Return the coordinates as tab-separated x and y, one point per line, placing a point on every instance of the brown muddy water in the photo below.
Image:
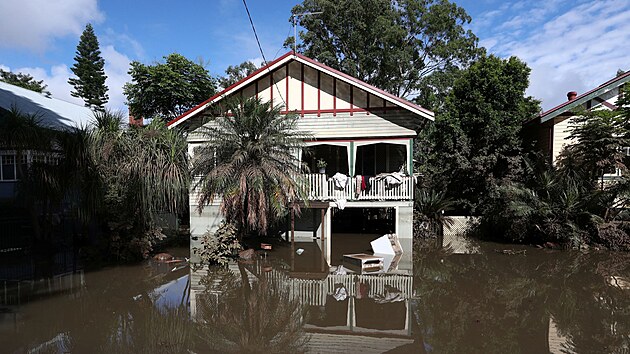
538	302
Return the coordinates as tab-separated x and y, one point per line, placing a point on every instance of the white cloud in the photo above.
570	48
124	41
258	61
56	77
116	68
33	24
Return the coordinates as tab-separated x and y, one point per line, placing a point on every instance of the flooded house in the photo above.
551	129
50	112
359	151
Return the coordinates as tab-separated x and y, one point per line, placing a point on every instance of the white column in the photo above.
409	158
328	236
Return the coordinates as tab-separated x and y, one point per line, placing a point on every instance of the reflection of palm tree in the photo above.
152	330
248	160
256	318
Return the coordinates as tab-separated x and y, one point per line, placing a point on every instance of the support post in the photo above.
323	228
292	225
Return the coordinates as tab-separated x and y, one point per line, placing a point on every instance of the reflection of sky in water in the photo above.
171	294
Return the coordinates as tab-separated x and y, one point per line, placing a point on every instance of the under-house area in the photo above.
354	228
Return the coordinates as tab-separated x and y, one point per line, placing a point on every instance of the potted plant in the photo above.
321	164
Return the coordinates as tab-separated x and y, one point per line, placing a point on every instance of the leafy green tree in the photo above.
167	90
393	45
475	143
89	69
25	81
247	159
600	136
234	74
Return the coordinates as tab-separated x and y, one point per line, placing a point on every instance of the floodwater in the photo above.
524	300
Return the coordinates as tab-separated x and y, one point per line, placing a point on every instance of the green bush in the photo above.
219	247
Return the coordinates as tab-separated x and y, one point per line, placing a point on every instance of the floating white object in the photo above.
387	244
299	251
390	261
363	263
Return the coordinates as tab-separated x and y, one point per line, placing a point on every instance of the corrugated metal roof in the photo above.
53	112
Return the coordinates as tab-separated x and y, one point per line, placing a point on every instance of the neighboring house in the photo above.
551	129
52	113
358	129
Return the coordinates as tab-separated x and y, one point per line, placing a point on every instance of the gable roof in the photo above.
53	112
290	56
583	98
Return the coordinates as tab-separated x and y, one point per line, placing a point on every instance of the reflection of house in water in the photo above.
16	292
24	277
346	312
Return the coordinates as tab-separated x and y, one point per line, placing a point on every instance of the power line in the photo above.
263	55
275	56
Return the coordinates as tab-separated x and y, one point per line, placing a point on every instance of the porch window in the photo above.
336	158
380	158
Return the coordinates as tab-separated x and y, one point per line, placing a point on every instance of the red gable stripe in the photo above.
363	83
266	67
314	63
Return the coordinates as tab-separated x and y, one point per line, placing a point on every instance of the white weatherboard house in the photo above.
51	112
551	129
362	132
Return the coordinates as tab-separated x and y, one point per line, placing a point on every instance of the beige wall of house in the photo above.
560	127
208	220
561	132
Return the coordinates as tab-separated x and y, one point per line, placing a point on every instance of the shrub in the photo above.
614	236
219	247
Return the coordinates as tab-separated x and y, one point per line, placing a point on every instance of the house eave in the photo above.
271	67
583	98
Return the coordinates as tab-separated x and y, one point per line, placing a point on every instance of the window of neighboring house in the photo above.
8	167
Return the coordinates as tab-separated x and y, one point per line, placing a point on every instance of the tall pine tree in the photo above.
89	83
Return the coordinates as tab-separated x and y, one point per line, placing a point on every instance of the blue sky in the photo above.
571	45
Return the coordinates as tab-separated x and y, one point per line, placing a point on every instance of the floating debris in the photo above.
511	252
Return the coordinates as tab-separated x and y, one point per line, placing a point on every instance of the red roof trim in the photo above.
383	139
266	67
564	104
363	83
315	63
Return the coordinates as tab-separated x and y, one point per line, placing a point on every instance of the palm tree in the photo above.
430	206
248	159
145	171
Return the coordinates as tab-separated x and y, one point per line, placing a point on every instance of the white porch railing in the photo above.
320	187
